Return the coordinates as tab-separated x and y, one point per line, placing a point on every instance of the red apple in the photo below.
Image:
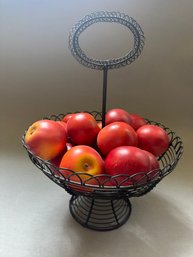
100	124
129	161
46	139
67	117
115	134
84	159
153	139
137	121
82	128
57	160
114	115
63	124
154	166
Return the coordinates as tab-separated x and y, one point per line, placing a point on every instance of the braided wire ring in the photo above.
104	16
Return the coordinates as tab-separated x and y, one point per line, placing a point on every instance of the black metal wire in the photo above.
100	214
113	17
105	65
104	99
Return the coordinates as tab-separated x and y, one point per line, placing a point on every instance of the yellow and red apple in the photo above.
84	160
46	139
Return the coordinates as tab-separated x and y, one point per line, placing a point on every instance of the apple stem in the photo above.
105	70
86	166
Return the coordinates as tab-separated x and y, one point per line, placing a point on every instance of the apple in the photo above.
115	134
46	139
153	139
82	128
100	124
63	124
67	117
114	115
81	158
137	121
154	166
127	161
56	160
69	146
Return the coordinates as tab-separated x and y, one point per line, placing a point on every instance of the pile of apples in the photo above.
126	145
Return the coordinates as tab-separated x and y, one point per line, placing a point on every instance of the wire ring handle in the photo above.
116	17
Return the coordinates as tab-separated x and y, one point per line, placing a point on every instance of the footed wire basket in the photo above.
102	202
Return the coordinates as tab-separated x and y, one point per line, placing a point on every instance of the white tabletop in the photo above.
35	219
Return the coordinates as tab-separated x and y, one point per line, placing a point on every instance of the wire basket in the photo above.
102	202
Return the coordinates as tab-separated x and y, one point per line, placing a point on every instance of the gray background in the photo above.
39	76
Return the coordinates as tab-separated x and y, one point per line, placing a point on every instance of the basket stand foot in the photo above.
99	213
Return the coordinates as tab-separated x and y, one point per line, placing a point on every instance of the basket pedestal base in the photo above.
100	214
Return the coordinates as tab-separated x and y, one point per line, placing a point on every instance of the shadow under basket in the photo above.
104	205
